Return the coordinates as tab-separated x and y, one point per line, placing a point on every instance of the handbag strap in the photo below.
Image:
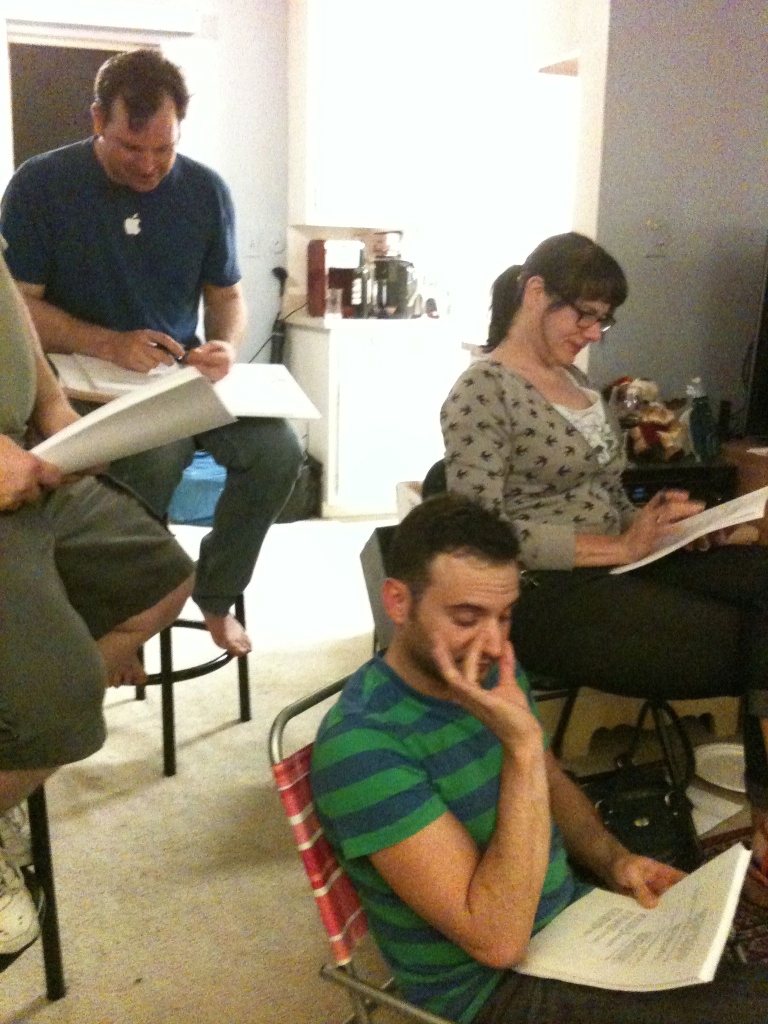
669	729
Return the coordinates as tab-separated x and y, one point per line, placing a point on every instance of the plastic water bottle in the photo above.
701	422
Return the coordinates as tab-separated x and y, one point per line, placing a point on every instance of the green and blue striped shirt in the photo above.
387	762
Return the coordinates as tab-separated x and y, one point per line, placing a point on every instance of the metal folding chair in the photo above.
337	902
45	896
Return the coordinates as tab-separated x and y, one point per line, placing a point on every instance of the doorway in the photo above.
51	95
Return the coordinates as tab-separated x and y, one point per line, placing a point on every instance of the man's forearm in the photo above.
506	886
484	901
587	840
61	332
224	315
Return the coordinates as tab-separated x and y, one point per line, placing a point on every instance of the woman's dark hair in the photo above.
572	266
443	525
142	78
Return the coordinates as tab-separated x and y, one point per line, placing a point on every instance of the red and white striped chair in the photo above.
340	909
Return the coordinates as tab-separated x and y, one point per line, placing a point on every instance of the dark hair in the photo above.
572	267
142	78
443	525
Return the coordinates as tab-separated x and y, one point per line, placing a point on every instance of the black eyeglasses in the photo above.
588	319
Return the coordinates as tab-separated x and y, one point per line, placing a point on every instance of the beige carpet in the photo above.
183	899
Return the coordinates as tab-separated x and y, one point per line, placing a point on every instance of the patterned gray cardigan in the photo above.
508	448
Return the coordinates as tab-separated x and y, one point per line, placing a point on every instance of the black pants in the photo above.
690	625
738	995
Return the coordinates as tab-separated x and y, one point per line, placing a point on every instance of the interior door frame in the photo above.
82	25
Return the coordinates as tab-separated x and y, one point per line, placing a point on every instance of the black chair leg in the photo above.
243	679
168	711
167	677
556	745
49	923
141	691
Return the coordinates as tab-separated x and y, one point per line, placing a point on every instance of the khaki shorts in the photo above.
72	567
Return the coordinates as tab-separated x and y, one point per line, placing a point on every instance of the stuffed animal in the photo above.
654	433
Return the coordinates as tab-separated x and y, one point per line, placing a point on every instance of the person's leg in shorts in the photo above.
53	670
86	576
50	701
123	571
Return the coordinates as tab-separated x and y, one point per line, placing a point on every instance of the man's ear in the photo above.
97	116
397	600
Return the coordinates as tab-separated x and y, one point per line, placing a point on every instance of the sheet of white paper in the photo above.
248	390
71	373
168	409
709	810
625	947
116	380
264	389
731	513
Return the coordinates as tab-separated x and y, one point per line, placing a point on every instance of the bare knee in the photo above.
149	622
167	609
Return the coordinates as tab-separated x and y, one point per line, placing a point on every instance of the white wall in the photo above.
562	30
555	30
233	53
685	172
238	124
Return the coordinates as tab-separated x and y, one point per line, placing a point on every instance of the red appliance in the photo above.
332	263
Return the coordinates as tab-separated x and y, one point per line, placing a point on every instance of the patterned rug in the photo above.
748	941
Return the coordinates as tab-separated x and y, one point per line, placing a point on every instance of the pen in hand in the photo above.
176	359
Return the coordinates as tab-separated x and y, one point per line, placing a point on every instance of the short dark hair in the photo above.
572	266
447	524
142	79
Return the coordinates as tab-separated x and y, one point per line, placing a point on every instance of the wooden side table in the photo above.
750	458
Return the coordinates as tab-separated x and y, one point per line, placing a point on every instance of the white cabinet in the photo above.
358	143
379	386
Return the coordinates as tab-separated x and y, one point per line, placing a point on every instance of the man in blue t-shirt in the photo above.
114	242
434	785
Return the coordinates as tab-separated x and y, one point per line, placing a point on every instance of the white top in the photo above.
592	424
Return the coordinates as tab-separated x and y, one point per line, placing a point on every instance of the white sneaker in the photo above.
18	918
15	842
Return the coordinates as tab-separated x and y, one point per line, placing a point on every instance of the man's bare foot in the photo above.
228	634
127	673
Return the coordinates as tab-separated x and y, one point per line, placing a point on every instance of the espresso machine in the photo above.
393	279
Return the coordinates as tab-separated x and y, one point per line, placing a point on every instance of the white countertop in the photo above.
336	323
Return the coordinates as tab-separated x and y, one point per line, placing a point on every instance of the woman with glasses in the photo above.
526	436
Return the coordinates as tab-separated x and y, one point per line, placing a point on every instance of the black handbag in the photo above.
642	808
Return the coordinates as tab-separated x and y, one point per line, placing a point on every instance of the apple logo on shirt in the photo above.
132	225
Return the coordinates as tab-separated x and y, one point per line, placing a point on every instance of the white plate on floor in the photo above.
722	764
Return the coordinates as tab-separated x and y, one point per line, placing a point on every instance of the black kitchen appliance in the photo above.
394	289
